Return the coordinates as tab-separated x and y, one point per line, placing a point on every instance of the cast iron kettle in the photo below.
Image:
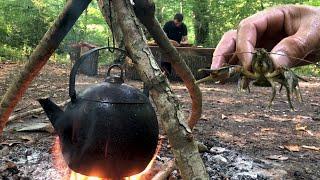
109	130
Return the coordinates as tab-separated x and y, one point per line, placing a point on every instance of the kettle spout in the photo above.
52	110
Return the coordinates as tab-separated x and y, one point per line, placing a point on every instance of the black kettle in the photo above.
110	130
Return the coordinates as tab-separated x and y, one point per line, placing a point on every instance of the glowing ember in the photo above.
77	176
71	175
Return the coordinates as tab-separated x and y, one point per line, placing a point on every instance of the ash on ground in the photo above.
222	163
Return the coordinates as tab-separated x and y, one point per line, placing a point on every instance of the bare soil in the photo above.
241	124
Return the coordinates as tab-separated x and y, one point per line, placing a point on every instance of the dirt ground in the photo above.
238	123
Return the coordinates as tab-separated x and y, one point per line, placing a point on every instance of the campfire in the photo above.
72	175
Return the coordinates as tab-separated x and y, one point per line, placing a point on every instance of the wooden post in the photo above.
180	136
48	44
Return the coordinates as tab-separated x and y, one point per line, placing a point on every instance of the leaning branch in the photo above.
145	11
48	44
182	143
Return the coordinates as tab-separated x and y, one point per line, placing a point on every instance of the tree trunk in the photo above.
183	145
104	8
201	21
145	11
40	56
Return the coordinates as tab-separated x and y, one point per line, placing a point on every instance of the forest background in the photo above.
23	23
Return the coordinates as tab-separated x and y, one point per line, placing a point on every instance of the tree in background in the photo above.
22	23
201	21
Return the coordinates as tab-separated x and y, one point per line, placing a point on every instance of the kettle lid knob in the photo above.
114	78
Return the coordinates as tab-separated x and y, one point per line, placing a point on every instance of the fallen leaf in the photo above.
301	128
266	129
304	117
315	104
224	117
47	127
204	118
310	132
27	138
311	148
278	157
292	148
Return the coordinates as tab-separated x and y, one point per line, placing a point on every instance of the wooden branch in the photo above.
33	112
179	134
145	11
40	56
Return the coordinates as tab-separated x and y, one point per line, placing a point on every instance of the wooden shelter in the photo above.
90	65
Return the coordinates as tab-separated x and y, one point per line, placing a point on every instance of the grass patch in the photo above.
8	53
309	70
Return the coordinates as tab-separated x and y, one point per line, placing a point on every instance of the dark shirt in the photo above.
175	33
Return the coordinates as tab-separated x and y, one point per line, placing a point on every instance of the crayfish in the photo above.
263	73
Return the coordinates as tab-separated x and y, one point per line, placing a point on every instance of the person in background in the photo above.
177	32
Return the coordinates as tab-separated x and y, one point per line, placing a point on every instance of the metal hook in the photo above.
111	49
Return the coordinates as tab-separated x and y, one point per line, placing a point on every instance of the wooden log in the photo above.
48	44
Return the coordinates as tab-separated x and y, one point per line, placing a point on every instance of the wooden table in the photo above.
193	51
195	58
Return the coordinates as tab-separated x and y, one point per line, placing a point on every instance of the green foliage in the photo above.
10	53
310	70
23	23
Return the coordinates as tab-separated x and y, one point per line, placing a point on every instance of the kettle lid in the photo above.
113	93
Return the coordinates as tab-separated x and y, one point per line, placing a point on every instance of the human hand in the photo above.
291	30
174	43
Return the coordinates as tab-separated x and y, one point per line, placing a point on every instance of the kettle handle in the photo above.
74	70
116	66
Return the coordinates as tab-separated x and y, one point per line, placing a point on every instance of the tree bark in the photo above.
145	11
104	9
40	56
183	145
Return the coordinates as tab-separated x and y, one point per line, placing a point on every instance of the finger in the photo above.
226	46
251	29
298	45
